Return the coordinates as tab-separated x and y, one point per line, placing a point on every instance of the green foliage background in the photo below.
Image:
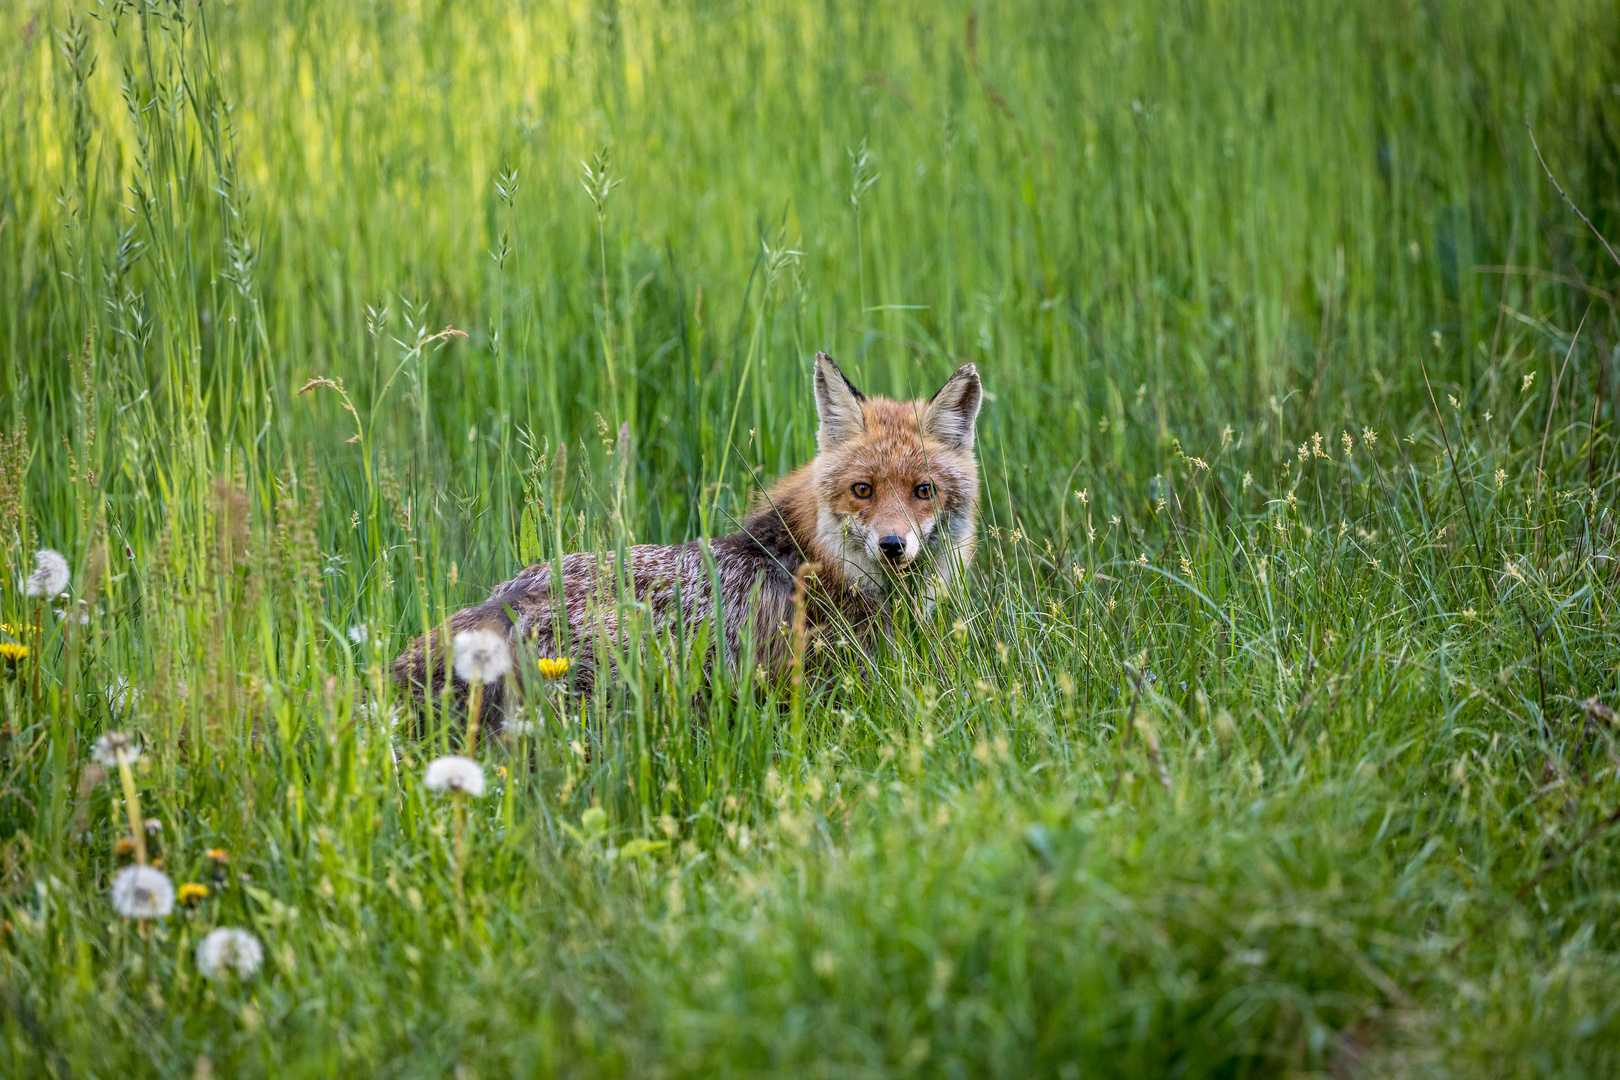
1259	743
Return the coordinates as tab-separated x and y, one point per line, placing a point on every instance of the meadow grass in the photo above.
1270	736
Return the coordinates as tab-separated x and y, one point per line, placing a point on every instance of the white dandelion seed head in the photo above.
358	633
120	695
455	773
50	576
229	949
142	892
115	748
482	656
516	729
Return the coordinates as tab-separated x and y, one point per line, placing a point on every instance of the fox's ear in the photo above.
953	411
838	404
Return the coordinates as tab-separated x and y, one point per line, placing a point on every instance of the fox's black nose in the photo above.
892	547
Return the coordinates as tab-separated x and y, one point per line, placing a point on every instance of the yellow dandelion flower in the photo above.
13	653
218	855
191	893
553	667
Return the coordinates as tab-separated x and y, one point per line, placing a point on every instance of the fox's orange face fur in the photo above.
895	481
892	495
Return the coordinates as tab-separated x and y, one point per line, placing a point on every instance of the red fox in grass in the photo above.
892	494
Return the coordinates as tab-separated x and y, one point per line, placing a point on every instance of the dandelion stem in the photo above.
39	645
474	701
459	829
132	804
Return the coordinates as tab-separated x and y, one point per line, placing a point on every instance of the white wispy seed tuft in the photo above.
482	656
455	773
228	949
115	748
142	892
50	576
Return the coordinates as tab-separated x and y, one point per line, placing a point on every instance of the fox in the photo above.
887	507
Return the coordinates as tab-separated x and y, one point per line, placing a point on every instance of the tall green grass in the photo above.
1259	742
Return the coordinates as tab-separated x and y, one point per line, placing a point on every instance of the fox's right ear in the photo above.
838	404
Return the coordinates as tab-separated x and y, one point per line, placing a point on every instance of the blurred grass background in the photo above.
1193	248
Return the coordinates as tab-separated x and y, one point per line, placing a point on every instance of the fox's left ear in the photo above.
953	411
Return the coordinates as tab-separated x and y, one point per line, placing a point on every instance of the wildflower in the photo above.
124	848
142	892
1186	567
116	748
1349	445
1316	446
516	729
1304	452
153	826
1248	479
229	948
1226	436
455	774
218	855
1197	463
1369	436
554	668
1084	495
50	576
13	653
482	656
1528	379
1501	478
191	893
358	633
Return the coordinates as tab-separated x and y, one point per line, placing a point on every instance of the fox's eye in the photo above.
862	490
923	490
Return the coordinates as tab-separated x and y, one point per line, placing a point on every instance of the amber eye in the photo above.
924	490
862	490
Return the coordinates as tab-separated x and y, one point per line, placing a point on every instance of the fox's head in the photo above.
895	481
